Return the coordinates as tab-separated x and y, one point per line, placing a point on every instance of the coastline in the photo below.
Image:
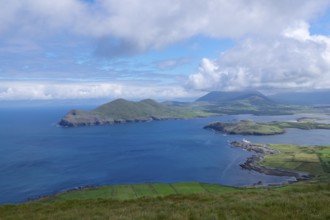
270	184
252	163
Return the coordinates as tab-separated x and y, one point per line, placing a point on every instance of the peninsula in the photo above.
122	111
256	162
248	127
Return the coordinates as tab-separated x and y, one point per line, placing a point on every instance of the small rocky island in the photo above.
248	127
122	111
253	162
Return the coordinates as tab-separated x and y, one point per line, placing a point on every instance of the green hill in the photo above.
121	111
245	102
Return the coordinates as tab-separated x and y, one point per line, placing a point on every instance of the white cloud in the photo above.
12	90
273	52
171	63
296	60
143	24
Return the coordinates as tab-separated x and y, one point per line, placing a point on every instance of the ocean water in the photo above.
39	158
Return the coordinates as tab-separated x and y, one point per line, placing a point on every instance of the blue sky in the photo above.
104	49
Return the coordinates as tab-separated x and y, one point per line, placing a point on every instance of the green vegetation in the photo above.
310	119
134	191
298	201
253	104
324	156
246	107
126	110
301	125
121	110
313	160
248	102
247	127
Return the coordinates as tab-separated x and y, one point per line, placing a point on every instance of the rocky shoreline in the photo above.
252	163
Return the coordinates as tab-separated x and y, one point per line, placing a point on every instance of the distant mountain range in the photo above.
252	97
289	98
213	103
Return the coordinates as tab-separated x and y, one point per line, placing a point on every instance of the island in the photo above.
122	111
249	127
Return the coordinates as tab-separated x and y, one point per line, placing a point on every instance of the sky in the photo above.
166	50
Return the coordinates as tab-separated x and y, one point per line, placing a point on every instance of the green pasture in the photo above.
314	160
305	200
135	191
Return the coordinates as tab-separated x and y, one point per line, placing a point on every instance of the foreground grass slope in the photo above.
299	201
135	191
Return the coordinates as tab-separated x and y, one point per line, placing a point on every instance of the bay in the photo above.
39	158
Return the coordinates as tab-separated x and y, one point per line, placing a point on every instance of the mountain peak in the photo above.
220	96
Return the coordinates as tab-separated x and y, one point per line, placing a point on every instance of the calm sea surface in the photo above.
38	158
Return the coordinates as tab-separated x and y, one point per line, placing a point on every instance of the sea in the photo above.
39	158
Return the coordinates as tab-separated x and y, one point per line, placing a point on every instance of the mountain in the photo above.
176	103
245	102
121	111
252	97
303	98
213	103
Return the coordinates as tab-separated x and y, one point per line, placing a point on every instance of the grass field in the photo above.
324	156
134	191
314	160
184	201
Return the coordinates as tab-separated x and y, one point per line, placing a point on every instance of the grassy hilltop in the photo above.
121	111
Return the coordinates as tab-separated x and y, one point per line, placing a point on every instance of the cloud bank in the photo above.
294	60
131	26
76	90
45	40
